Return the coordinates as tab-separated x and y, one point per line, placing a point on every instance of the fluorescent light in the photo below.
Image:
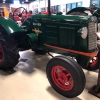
16	2
22	1
3	2
26	0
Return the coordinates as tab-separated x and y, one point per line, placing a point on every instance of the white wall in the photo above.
85	3
33	5
20	5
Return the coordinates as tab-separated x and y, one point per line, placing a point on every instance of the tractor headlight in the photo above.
83	32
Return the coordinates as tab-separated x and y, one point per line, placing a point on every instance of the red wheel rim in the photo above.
1	53
93	61
62	78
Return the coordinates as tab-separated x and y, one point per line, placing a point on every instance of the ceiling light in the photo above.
26	0
22	1
3	1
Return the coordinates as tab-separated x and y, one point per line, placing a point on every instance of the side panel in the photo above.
9	25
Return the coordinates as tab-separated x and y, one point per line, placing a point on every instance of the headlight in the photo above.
84	32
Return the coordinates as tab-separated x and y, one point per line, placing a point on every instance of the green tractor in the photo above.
71	36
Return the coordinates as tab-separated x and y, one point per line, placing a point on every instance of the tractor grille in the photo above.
67	36
92	38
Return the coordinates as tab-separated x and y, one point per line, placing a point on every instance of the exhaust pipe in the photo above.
49	12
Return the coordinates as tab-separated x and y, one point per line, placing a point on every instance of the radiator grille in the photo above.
67	36
92	38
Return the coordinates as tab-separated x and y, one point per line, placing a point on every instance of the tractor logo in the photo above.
37	31
36	24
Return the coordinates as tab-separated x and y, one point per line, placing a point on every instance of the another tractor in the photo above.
71	36
87	11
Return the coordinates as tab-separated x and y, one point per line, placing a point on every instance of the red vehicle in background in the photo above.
20	16
46	12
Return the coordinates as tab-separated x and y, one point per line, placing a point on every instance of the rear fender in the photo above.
9	25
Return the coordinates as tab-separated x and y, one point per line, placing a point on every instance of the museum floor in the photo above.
29	81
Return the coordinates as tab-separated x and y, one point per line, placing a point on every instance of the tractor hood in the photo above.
63	17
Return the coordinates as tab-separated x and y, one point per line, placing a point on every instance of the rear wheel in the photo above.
8	53
65	76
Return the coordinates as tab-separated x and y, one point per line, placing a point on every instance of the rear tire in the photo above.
65	76
8	54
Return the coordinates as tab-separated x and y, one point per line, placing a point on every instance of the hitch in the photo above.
95	90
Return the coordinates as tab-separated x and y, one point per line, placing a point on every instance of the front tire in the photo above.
65	76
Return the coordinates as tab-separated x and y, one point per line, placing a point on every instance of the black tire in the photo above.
75	71
92	66
96	66
9	54
39	52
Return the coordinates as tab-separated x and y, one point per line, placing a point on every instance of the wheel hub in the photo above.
62	78
93	61
67	83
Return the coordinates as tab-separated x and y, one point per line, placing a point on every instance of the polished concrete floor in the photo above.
29	81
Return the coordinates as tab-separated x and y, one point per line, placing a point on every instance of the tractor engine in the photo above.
69	32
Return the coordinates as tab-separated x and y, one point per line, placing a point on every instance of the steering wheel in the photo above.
93	5
21	15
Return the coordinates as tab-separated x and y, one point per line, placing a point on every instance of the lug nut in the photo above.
67	83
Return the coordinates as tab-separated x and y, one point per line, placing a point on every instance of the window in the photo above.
79	4
43	9
59	8
97	2
73	5
68	8
55	9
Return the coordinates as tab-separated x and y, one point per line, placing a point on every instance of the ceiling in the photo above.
12	1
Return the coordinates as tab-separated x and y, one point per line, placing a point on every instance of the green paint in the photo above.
32	37
62	17
9	25
56	30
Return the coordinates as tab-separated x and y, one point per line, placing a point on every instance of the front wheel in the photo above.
65	76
